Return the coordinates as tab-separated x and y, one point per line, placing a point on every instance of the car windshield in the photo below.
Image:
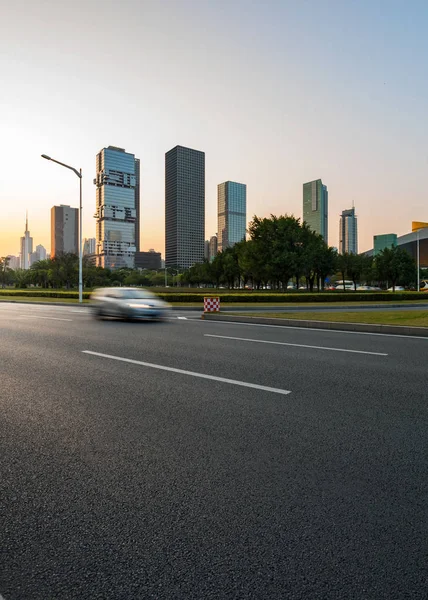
136	294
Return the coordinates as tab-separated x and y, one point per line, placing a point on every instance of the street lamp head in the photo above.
46	156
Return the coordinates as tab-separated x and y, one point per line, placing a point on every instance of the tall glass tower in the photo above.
315	207
184	207
348	232
117	206
231	213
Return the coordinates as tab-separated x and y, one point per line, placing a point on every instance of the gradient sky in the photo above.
276	93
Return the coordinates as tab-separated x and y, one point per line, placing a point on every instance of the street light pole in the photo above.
418	261
79	175
80	241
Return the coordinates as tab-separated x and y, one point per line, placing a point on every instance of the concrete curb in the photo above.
335	325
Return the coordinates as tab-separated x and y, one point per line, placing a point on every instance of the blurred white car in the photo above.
398	288
127	303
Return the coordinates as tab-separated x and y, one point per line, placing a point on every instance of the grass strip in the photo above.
411	318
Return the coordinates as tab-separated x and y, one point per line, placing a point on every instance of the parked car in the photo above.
398	288
127	303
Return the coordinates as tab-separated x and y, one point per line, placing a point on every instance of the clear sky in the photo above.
276	92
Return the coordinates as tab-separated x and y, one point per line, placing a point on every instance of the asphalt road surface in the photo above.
205	460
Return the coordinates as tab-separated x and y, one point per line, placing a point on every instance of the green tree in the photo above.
395	266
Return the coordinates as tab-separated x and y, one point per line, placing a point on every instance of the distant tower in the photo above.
348	232
184	207
231	213
64	230
315	207
26	247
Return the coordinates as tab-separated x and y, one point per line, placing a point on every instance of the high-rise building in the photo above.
89	246
315	207
13	262
64	230
348	232
386	240
41	252
116	208
213	247
184	207
148	260
137	204
26	247
231	213
206	250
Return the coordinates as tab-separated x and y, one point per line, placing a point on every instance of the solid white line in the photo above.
225	337
191	373
39	317
397	335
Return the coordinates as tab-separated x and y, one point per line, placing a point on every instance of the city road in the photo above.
194	459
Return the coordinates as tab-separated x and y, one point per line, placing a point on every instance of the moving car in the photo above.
127	303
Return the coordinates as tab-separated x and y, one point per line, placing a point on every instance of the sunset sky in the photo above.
275	92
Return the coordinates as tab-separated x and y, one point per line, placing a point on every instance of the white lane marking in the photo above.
226	337
191	373
182	318
39	317
398	335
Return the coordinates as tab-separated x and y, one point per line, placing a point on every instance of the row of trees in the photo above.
279	249
63	271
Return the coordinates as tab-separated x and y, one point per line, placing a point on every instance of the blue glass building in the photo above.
232	213
117	208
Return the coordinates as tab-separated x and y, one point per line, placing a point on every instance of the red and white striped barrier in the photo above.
211	305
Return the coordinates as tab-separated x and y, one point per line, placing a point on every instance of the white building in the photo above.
26	248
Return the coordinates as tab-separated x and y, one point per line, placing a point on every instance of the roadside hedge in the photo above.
277	298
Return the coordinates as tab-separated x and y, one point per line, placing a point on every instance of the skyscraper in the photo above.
315	207
231	213
206	250
116	208
213	247
41	252
137	204
348	232
26	247
64	230
89	246
184	207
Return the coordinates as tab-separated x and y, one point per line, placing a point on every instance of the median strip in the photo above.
255	386
226	337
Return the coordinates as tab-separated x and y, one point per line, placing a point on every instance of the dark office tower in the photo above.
184	207
137	204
